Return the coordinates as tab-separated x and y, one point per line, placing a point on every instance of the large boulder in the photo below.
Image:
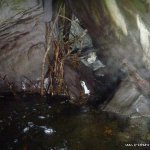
22	46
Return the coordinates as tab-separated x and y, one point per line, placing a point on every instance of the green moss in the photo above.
17	1
14	4
139	5
129	10
134	5
10	2
3	2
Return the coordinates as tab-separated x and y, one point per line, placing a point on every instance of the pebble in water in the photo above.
41	117
30	124
49	107
16	141
48	131
26	129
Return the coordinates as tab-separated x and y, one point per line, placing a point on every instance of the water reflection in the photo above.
57	125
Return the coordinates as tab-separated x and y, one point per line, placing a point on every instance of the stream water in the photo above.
35	123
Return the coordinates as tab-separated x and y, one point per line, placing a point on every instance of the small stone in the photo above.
30	124
41	117
26	129
16	141
49	107
49	131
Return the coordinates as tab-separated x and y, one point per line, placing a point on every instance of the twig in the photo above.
45	56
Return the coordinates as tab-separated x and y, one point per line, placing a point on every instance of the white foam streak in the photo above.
86	91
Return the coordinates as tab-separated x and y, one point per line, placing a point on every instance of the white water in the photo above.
86	91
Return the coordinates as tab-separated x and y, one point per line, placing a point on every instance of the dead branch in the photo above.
46	54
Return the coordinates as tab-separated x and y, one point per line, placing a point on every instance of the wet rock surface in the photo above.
119	30
128	101
22	43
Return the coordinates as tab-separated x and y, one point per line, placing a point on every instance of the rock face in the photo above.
120	31
22	36
128	101
118	28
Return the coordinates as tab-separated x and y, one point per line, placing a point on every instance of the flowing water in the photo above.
35	123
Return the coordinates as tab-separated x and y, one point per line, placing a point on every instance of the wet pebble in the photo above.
49	107
49	131
30	124
26	129
41	117
16	141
